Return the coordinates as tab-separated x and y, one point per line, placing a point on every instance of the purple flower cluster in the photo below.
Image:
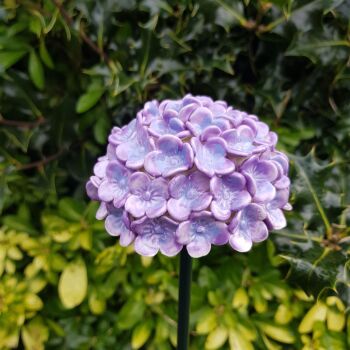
191	172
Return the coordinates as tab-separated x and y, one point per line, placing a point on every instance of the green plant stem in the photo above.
184	300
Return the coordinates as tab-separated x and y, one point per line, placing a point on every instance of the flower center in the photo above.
147	196
200	229
158	229
191	193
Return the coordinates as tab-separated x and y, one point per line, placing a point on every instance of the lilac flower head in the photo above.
191	173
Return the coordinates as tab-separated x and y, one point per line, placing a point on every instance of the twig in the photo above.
41	162
20	123
82	34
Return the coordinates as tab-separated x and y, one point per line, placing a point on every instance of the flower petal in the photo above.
156	208
138	182
240	242
135	206
198	247
145	245
179	209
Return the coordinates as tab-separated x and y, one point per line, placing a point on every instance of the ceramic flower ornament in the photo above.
191	173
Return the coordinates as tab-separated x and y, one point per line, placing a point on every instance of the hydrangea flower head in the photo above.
189	174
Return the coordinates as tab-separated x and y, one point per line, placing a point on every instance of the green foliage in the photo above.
69	70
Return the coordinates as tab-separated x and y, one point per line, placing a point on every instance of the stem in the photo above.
184	300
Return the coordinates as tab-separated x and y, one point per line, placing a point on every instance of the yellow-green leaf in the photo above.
207	322
96	304
36	71
277	332
240	299
238	341
88	100
283	314
216	339
33	302
72	285
140	334
335	319
317	313
34	335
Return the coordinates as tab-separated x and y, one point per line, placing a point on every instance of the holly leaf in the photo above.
315	243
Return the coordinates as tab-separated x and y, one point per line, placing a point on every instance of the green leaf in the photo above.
36	71
310	180
71	209
44	55
101	128
316	268
9	58
72	285
130	314
88	100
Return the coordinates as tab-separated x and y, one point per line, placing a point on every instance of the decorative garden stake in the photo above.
188	174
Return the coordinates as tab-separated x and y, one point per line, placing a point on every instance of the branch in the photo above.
41	162
82	34
21	124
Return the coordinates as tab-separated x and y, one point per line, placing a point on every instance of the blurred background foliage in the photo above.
69	70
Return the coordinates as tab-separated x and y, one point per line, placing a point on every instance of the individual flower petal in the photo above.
240	141
263	134
210	157
234	116
149	112
147	196
200	232
230	194
117	224
100	168
170	124
187	110
154	235
111	152
102	211
259	175
92	188
202	118
248	227
275	219
189	193
170	104
171	157
115	187
133	152
121	135
209	132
